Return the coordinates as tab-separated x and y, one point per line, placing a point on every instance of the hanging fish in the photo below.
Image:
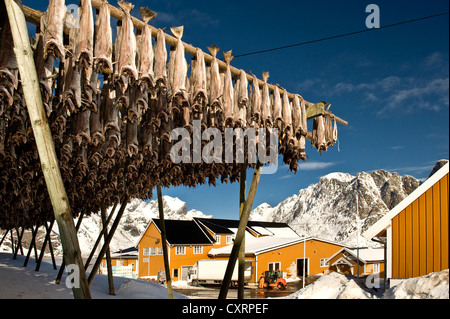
265	103
180	67
198	86
146	54
103	41
127	51
215	88
8	66
85	34
160	58
318	134
256	103
286	113
242	99
53	35
228	92
300	131
276	108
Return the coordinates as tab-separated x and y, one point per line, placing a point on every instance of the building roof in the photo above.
366	255
184	232
131	252
260	245
385	221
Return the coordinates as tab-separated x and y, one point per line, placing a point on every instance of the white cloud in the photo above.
311	166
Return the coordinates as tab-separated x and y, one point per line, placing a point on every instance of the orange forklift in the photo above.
270	279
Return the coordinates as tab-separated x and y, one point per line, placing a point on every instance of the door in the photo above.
300	263
185	272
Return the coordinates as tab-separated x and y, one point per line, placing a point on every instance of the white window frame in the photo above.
274	264
324	262
198	250
146	251
159	251
217	239
229	239
180	250
376	268
152	251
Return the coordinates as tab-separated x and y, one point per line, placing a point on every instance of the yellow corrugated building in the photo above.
416	230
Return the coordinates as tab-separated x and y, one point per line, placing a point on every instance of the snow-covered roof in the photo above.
385	221
366	255
259	245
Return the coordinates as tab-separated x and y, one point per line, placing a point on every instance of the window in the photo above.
274	266
175	273
323	262
146	251
376	268
180	250
217	239
153	251
229	239
159	251
198	250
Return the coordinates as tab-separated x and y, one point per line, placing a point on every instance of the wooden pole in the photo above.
63	264
45	146
108	239
241	232
32	245
99	238
108	253
44	244
164	242
242	198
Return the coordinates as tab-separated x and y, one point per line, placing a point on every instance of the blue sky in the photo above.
391	85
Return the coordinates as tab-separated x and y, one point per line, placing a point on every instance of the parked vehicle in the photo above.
270	279
211	272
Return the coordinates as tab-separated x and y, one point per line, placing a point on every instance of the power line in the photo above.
342	35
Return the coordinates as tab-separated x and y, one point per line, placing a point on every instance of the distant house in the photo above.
124	263
270	246
369	261
416	230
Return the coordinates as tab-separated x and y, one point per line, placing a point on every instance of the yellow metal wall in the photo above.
420	234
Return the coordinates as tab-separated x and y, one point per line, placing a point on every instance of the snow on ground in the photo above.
18	282
339	286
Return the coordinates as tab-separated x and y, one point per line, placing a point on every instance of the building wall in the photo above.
420	234
152	238
315	251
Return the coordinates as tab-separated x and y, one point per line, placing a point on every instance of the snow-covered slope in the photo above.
340	204
133	223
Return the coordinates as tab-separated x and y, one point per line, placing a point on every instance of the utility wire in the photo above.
341	35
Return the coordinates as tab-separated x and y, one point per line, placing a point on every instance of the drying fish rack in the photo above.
108	131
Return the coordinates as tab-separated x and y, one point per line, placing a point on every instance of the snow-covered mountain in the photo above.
133	223
340	204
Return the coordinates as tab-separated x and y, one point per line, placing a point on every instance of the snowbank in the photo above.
18	282
339	286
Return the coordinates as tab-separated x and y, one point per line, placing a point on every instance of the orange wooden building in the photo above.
270	246
416	230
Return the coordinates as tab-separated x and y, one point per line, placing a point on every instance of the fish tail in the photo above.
177	31
213	50
126	6
228	56
265	76
147	14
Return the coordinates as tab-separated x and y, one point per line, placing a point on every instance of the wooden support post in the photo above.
99	238
50	247
108	239
3	238
240	232
32	246
12	242
19	242
242	198
63	264
164	243
108	253
44	244
45	146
